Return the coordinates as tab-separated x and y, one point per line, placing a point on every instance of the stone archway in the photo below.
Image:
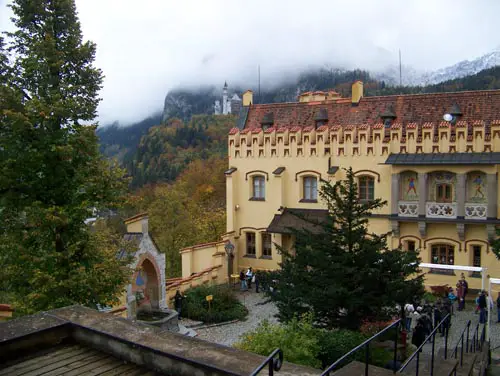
146	284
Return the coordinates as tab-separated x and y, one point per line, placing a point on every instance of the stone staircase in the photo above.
473	363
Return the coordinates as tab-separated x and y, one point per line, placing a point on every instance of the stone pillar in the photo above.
395	180
461	193
492	190
422	194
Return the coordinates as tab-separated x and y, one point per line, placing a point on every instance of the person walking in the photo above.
178	298
256	281
482	307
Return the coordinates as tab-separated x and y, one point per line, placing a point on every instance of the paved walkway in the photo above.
229	334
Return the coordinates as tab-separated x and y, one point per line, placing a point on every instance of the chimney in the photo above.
247	98
357	92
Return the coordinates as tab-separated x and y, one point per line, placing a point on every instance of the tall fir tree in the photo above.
340	271
51	172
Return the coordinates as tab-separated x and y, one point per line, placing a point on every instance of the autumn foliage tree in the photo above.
51	174
191	210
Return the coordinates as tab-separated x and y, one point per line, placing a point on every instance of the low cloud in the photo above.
146	48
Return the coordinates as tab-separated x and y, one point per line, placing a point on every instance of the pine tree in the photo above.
51	173
344	274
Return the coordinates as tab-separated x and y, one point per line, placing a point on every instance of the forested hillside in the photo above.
121	142
167	149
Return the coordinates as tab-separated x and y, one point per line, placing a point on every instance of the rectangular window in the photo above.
476	259
443	193
443	254
259	190
366	188
410	245
250	243
266	244
310	188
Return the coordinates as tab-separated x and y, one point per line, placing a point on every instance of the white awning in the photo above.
452	267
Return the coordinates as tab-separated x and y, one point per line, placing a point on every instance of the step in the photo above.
356	368
468	363
441	367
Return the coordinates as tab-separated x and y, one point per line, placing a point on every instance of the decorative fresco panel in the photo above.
476	187
409	186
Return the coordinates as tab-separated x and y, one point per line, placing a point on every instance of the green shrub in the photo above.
224	306
335	343
297	339
304	344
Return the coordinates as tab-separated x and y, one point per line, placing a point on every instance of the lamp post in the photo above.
229	248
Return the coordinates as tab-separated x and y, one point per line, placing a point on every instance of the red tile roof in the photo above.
417	108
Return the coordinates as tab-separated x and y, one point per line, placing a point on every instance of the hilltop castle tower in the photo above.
229	106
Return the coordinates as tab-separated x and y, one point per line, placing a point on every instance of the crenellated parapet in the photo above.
366	139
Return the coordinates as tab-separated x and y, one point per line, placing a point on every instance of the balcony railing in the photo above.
475	211
408	208
441	209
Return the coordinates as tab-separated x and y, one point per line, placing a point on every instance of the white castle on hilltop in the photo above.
229	106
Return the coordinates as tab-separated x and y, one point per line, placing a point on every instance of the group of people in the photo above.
246	280
422	320
462	289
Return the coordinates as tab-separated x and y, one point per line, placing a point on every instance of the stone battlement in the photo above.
369	140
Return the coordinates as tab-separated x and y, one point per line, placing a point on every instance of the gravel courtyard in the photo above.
229	334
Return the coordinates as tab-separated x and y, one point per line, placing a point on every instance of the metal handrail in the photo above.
475	339
461	341
272	361
433	335
367	344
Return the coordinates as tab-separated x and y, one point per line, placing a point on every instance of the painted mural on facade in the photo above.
409	186
476	187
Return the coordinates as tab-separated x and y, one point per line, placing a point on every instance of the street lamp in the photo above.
229	248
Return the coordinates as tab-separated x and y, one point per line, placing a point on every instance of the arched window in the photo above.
259	187
443	254
310	188
366	188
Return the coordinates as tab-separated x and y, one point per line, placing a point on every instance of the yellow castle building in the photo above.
433	157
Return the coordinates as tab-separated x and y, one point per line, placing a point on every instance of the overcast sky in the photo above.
147	47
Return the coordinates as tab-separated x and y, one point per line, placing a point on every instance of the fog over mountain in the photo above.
147	48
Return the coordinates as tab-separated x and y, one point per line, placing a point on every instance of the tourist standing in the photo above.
409	309
249	276
256	281
178	298
418	336
465	284
243	280
461	295
482	307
